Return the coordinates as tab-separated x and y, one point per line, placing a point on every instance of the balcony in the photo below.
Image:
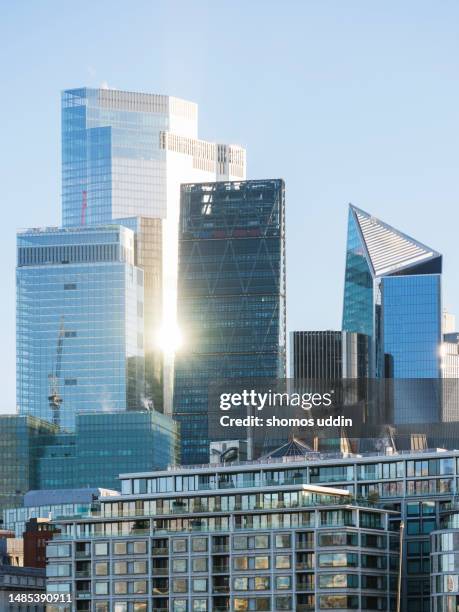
220	548
160	571
221	569
304	586
82	554
159	551
83	574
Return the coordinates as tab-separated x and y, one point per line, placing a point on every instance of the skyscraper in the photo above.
328	355
79	322
231	295
125	154
392	294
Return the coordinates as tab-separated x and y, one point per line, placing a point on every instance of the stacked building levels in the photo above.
218	503
187	540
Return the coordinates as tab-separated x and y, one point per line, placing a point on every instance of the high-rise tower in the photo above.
231	296
124	156
392	294
79	322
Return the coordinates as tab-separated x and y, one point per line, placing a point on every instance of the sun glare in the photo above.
170	338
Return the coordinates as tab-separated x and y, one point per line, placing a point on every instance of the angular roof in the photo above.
388	250
292	448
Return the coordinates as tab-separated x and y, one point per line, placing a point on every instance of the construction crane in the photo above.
54	397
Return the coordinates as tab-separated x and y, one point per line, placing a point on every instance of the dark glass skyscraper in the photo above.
392	293
231	305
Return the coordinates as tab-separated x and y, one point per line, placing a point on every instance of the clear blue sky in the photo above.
346	100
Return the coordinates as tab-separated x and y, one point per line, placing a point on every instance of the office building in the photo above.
392	294
124	155
20	438
328	355
416	487
231	307
300	547
101	446
79	322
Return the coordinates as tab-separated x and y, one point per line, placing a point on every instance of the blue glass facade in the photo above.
358	310
392	293
231	304
411	312
79	323
20	439
111	155
36	455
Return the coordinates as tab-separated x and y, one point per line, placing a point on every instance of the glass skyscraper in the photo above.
392	293
124	155
79	322
231	306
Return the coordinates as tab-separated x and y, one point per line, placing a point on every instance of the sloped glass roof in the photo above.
388	249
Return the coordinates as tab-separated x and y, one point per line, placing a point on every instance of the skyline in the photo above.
369	131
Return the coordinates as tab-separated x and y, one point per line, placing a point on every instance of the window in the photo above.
240	563
262	541
101	548
261	562
120	548
58	570
199	544
261	583
283	603
199	564
101	568
199	585
138	567
283	561
180	565
120	567
241	584
101	588
283	582
58	550
199	605
179	545
283	540
179	605
139	586
120	587
138	548
180	585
